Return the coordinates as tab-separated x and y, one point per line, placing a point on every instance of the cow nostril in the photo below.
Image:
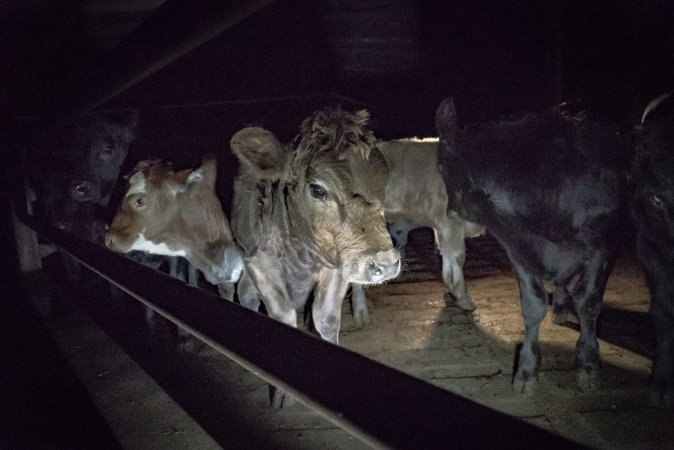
375	269
81	189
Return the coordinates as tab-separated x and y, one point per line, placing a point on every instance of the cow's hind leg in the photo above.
662	378
533	299
662	314
587	297
452	246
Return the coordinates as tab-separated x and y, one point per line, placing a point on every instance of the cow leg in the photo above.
192	275
561	303
660	280
327	306
359	305
399	231
151	319
587	297
184	271
73	268
279	307
452	246
247	293
227	291
662	313
175	268
533	300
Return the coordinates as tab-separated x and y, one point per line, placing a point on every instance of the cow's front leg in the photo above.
452	246
359	305
327	307
587	297
270	286
247	292
533	300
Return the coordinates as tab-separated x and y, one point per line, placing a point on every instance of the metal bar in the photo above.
176	28
378	404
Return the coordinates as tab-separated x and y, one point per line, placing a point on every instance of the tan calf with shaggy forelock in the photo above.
310	217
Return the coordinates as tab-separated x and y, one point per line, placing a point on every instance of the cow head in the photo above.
652	179
331	183
103	144
177	214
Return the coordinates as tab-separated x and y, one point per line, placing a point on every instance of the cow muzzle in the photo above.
84	191
383	266
228	268
112	242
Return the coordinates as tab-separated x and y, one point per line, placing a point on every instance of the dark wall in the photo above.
398	59
401	57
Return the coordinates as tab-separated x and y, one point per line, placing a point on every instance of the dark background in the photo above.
396	58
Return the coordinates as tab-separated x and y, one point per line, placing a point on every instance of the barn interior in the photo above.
198	71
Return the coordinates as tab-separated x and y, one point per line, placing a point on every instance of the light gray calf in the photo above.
416	197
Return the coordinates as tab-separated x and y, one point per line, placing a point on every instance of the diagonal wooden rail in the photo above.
380	405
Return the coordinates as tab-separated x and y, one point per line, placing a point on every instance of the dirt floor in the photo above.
413	330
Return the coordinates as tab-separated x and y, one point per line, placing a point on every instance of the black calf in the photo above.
546	188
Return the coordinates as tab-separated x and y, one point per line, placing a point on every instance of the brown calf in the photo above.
310	217
177	214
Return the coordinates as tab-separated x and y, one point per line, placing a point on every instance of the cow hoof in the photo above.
227	290
524	383
465	303
361	319
279	399
189	344
588	379
526	387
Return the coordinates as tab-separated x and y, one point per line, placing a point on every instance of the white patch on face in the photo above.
143	245
136	184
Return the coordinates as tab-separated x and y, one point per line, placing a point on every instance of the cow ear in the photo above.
259	151
206	174
446	124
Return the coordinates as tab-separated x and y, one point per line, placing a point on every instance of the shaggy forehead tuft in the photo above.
334	129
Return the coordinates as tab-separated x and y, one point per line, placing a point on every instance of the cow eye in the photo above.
140	202
317	191
108	149
657	201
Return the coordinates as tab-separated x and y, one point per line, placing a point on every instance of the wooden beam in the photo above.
380	405
176	28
